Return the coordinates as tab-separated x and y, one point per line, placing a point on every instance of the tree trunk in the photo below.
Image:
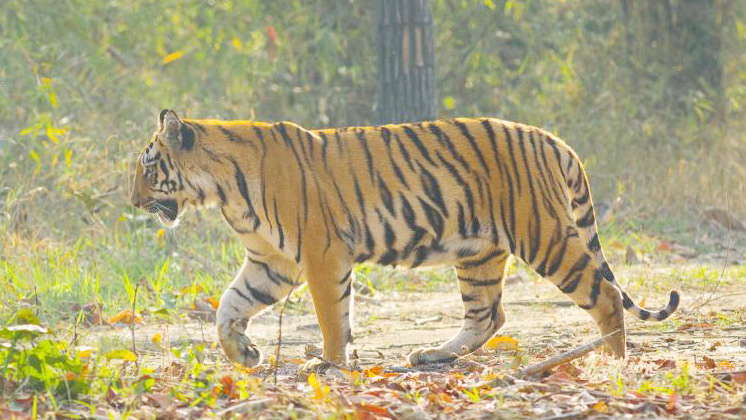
406	62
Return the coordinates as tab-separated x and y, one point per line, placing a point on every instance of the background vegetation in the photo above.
81	84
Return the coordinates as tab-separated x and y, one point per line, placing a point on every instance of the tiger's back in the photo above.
447	191
308	204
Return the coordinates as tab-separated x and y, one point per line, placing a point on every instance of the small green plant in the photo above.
30	355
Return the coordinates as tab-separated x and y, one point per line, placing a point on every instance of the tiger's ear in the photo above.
174	131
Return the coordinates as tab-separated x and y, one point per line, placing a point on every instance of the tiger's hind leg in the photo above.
578	273
257	286
481	284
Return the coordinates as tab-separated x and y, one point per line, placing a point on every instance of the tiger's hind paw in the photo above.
423	356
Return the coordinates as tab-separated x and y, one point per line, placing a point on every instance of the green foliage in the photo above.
28	354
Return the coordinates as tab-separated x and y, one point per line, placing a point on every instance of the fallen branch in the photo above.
426	320
245	406
563	357
539	302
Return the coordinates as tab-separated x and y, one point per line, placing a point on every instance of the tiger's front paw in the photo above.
423	356
241	350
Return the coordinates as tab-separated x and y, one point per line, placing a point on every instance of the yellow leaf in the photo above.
352	375
125	317
601	407
35	157
449	102
84	351
172	57
122	218
121	354
195	288
374	371
213	302
502	343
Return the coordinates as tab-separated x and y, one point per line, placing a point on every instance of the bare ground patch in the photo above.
690	366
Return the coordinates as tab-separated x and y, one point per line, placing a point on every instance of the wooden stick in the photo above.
563	357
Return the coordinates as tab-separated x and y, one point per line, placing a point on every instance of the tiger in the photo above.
307	205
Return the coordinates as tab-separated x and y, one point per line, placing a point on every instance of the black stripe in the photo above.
410	218
480	282
594	245
444	139
304	187
420	256
347	292
461	222
434	218
460	180
606	270
300	240
432	189
229	134
260	296
595	290
242	188
480	261
187	137
558	258
273	276
346	276
578	267
389	235
511	152
324	147
368	157
279	225
221	194
626	301
386	197
587	220
465	131
164	168
404	152
240	293
416	140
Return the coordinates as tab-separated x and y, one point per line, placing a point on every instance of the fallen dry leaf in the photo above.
125	317
502	343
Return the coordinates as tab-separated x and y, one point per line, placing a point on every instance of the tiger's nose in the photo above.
135	199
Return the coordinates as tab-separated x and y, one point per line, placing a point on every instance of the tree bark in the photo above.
406	62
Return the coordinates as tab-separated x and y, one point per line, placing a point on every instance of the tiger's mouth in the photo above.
167	210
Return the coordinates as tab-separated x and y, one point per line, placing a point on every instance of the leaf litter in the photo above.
689	367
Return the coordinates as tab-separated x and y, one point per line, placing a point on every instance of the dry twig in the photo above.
279	329
563	357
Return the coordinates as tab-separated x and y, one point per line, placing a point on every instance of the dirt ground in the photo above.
389	324
703	337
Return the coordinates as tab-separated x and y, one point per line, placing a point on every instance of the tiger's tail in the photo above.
584	215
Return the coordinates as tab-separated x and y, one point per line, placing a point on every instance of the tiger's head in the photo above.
159	180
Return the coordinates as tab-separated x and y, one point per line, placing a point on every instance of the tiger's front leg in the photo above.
257	286
331	287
